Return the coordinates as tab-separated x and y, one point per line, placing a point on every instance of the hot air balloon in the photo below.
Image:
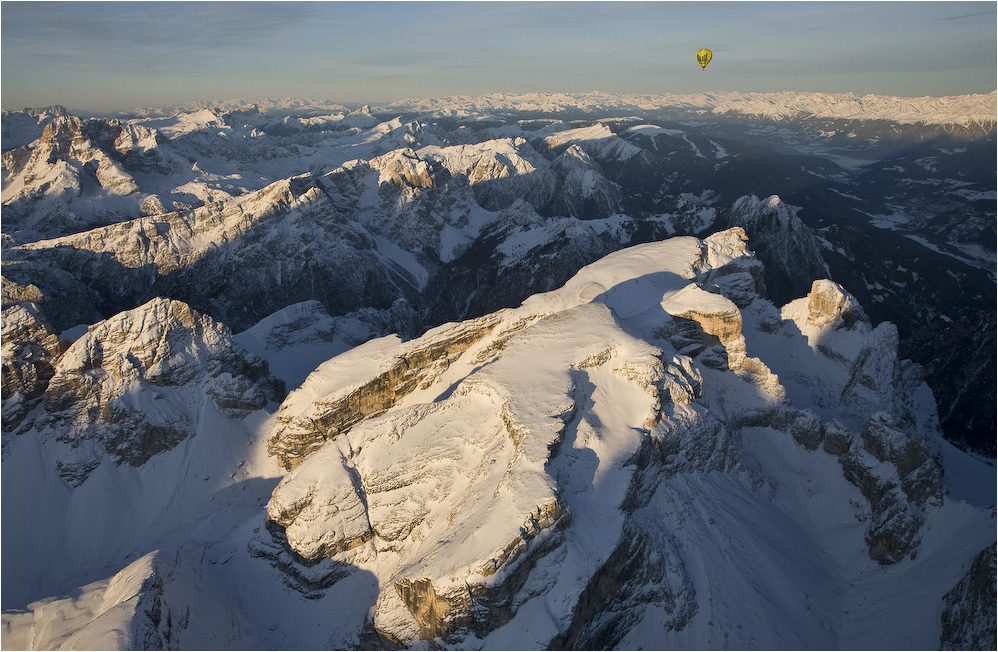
703	58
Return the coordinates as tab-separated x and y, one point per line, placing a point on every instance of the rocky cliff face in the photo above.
969	616
137	385
302	428
30	349
867	392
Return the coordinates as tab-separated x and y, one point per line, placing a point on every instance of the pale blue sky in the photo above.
102	56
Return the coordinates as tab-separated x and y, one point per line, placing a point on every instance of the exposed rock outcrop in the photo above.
968	616
30	349
828	304
643	572
295	436
403	167
889	460
709	318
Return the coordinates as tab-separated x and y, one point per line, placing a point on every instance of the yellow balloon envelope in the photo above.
703	58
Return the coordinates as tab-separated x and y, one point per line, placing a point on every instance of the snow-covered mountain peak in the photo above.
181	123
766	205
61	132
162	341
598	131
22	127
777	234
575	154
772	216
488	160
136	385
460	468
361	117
403	167
597	140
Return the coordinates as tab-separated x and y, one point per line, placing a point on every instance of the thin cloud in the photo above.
113	33
989	14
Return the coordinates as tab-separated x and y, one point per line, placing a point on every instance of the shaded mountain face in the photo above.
112	384
565	372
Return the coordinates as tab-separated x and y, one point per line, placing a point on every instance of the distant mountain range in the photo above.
962	110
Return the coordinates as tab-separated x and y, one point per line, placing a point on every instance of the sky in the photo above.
106	56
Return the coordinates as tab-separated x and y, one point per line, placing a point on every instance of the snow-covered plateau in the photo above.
542	371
